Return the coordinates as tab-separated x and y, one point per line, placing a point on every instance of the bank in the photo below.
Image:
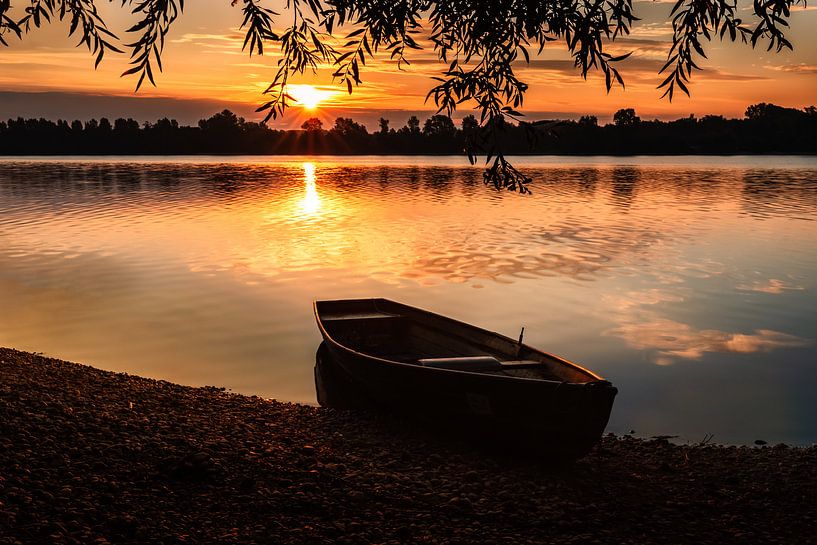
90	456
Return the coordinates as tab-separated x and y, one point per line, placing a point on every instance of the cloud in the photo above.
643	46
633	69
802	68
717	75
193	38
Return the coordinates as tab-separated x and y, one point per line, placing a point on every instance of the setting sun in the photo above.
308	96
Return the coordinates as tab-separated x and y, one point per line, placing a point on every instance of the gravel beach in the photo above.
89	456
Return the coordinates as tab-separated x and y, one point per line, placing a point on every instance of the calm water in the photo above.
691	283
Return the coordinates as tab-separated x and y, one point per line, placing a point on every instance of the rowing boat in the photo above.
418	363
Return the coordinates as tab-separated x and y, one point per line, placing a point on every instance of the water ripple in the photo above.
202	271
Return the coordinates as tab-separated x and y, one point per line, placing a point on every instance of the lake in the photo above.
689	282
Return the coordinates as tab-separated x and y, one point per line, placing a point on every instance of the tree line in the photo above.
766	128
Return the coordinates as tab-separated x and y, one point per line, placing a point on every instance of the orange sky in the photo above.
205	70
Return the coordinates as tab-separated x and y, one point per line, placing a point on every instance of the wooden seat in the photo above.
359	316
467	363
518	364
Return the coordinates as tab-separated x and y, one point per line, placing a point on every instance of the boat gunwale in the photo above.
598	378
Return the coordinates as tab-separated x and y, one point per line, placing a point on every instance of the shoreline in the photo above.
91	456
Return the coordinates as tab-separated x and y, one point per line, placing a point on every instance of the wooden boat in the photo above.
492	387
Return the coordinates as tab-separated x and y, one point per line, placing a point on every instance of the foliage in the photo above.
693	20
439	125
224	121
348	127
82	15
589	121
776	130
312	124
479	43
764	111
626	117
413	125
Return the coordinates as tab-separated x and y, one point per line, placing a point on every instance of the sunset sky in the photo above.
206	71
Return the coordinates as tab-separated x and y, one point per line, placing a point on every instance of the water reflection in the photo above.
771	285
311	202
669	341
624	182
769	193
203	273
642	324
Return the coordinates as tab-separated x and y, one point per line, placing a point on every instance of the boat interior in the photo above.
396	332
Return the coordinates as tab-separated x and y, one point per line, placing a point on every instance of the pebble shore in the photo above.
94	457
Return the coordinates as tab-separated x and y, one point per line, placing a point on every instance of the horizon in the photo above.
369	120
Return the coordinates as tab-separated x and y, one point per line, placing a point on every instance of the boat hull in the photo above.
542	418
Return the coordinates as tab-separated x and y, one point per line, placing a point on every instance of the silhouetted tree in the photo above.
626	117
439	125
384	125
225	121
589	121
125	125
413	124
347	127
772	111
312	124
756	111
166	125
469	124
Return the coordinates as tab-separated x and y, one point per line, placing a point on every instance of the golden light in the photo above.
307	96
311	202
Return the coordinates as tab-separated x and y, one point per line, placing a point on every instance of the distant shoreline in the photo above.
766	129
94	456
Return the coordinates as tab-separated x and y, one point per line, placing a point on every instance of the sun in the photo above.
308	96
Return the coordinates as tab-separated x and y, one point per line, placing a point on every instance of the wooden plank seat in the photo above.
468	363
520	364
360	316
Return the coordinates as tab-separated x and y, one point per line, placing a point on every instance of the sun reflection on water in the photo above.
310	204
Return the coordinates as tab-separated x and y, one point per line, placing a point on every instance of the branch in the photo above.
303	46
94	33
157	17
693	19
7	24
258	21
